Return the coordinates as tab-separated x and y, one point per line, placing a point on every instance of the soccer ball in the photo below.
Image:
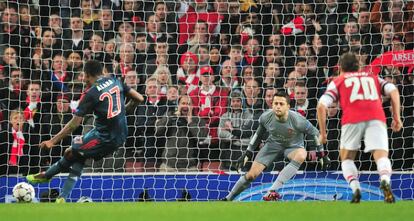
23	192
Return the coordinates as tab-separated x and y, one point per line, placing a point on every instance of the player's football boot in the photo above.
60	200
224	199
37	178
386	189
356	197
272	196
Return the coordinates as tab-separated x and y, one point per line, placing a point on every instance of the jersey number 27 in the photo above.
111	112
369	90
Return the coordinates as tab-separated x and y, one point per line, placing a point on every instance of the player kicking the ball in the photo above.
359	95
286	138
105	99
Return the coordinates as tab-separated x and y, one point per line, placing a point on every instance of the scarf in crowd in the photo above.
17	147
30	111
206	101
302	108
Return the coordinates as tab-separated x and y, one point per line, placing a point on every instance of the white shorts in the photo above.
374	133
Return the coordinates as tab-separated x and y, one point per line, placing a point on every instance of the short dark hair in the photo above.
281	93
93	68
349	62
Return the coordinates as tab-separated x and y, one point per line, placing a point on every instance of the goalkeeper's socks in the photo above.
384	169
285	175
57	167
240	185
350	173
73	177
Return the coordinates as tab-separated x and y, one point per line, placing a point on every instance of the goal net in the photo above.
208	69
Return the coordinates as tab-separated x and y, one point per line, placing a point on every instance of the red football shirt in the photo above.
359	95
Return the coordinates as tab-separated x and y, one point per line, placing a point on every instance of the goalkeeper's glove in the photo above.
243	159
323	160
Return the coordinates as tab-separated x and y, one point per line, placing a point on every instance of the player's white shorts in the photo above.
374	133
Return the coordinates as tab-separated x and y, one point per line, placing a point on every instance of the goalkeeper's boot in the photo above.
386	189
356	197
37	178
272	196
60	200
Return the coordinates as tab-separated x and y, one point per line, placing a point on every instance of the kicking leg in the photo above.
64	163
244	181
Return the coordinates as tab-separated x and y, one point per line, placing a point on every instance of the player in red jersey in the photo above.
359	95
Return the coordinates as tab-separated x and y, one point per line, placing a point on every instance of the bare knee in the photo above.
299	155
68	154
378	154
252	175
347	154
255	171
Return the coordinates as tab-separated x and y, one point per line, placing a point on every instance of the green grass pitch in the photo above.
212	211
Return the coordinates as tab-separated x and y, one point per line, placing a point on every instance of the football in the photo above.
23	192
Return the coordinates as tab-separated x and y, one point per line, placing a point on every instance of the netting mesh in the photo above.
208	70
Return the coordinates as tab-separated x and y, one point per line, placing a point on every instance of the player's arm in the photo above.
253	144
136	98
327	99
68	129
135	95
391	90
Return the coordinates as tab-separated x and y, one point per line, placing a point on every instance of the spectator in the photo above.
172	99
209	103
55	23
14	149
252	53
153	107
183	132
76	38
228	76
387	34
35	110
88	16
13	35
253	103
291	81
303	104
126	61
272	76
163	76
49	44
12	92
106	25
95	50
9	60
268	96
187	73
231	131
57	79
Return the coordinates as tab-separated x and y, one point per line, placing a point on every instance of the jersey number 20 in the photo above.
369	90
111	112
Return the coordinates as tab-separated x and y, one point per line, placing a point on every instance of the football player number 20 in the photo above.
113	91
369	90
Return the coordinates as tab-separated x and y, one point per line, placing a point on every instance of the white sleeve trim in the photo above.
386	87
326	100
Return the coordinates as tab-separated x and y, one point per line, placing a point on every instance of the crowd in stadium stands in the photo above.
208	69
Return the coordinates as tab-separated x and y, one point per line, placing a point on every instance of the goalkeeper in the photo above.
286	136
